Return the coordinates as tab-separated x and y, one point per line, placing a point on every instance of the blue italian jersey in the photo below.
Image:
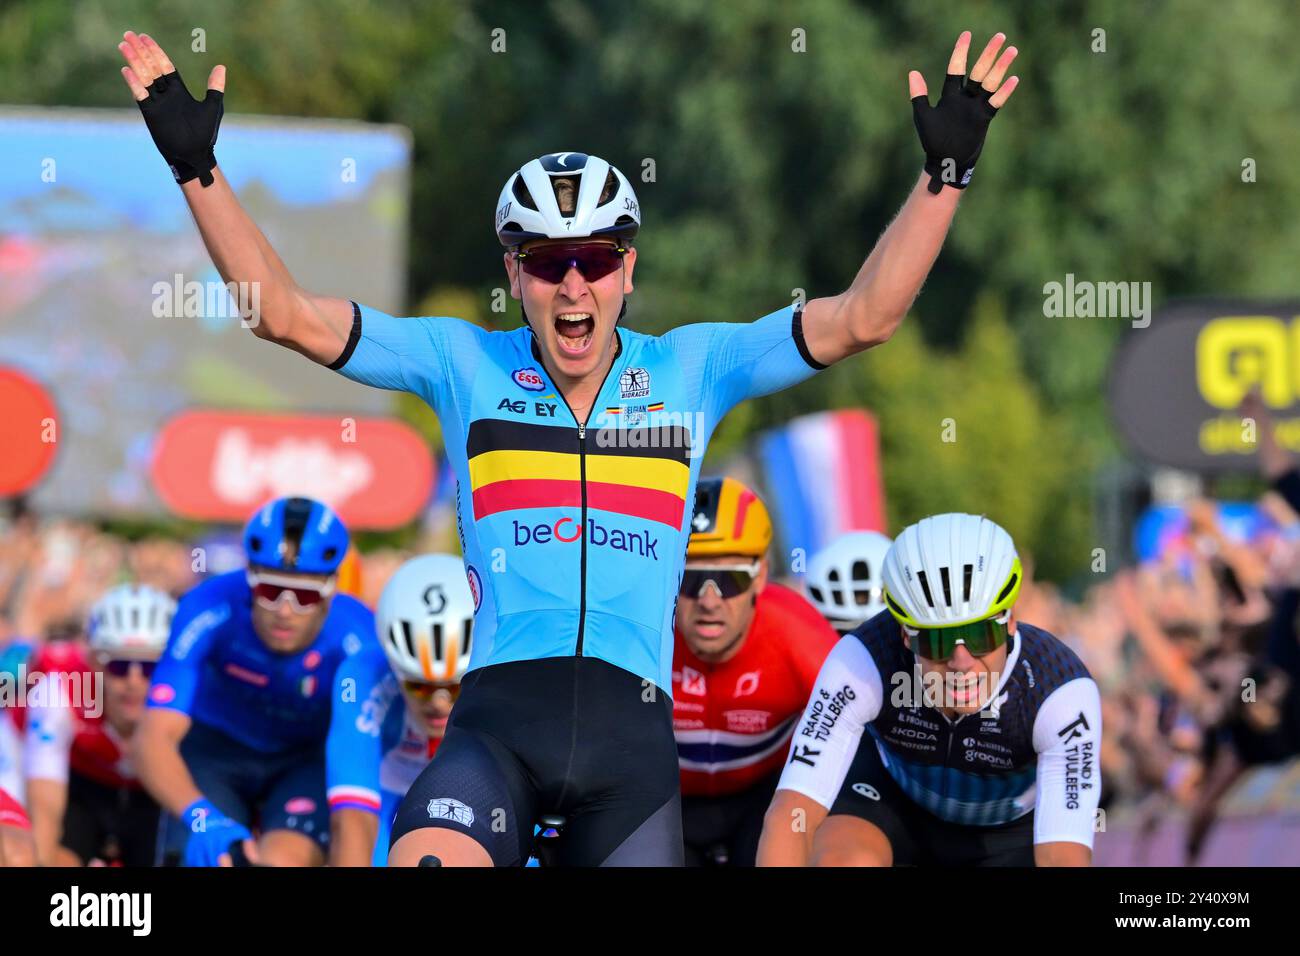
574	535
217	670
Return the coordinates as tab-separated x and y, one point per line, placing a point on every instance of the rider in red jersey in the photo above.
86	802
746	656
16	846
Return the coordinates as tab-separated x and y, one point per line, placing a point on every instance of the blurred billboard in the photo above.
96	241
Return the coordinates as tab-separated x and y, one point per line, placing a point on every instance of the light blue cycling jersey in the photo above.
575	535
375	748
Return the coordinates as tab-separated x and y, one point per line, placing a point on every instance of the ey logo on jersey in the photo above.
517	464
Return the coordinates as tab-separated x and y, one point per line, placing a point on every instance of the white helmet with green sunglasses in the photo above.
952	579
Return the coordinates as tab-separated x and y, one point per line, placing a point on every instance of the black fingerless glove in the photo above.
952	132
184	129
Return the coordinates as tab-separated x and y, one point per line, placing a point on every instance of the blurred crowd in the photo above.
1196	652
1198	663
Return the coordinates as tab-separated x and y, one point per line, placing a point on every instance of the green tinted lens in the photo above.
979	637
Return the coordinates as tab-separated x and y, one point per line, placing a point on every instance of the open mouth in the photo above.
710	628
573	330
963	690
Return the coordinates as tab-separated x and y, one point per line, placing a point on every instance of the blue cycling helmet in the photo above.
297	535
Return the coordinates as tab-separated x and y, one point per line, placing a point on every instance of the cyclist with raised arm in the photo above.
239	709
844	579
944	732
746	656
576	445
86	801
385	733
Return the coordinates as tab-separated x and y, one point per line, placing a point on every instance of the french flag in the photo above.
823	474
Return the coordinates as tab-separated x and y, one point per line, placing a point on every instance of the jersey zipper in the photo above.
582	485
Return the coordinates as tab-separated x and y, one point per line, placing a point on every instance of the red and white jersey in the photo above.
733	720
64	737
12	813
11	755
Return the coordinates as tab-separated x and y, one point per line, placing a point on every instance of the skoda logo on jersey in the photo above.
866	790
529	379
446	808
475	585
634	383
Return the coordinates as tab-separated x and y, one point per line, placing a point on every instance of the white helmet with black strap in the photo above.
131	621
528	209
845	579
425	619
949	570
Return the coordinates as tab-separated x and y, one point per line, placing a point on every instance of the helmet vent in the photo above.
816	593
947	586
925	586
522	195
837	592
465	634
894	605
968	575
861	571
611	187
437	640
401	631
1007	590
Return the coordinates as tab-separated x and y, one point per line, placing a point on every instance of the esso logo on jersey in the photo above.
529	379
300	806
312	660
162	694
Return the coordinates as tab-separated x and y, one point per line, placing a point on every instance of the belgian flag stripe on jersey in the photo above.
671	442
515	465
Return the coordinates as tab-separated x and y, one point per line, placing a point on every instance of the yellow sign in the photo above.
1234	354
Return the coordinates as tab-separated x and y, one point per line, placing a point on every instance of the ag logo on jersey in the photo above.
866	790
529	379
634	383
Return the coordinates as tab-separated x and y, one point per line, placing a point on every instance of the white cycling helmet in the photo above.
131	621
951	569
528	209
425	618
844	579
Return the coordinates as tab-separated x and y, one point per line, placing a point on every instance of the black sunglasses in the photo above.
121	668
730	580
594	260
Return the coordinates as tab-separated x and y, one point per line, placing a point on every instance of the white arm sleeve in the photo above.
846	697
48	747
1067	736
